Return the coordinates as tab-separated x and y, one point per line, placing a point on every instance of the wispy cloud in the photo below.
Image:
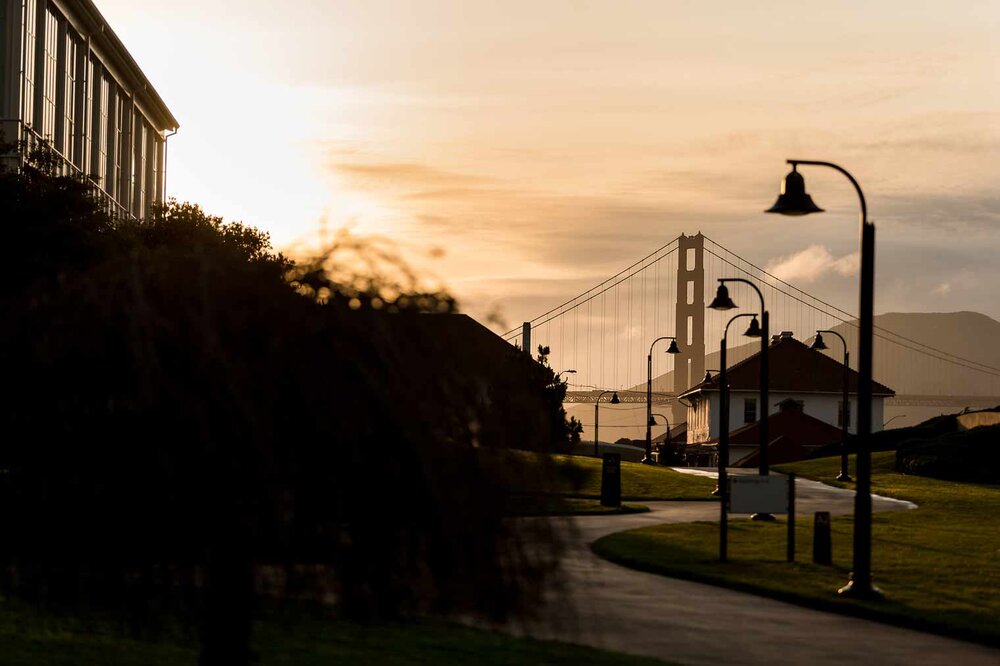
812	263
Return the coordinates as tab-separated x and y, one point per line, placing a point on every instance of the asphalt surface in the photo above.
608	606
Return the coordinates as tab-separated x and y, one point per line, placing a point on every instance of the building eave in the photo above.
109	44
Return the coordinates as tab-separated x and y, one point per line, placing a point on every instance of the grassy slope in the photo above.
939	565
580	476
31	637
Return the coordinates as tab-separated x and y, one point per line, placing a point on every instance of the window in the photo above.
28	80
68	147
50	84
749	410
840	414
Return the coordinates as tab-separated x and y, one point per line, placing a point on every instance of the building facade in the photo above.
800	374
67	79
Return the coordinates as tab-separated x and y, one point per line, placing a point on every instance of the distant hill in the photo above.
970	335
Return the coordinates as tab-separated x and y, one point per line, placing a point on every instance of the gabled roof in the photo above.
793	368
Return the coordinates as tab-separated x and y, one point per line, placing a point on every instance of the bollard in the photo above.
611	480
822	545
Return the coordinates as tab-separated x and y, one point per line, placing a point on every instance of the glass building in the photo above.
66	78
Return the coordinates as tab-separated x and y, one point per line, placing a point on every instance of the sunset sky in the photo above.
526	150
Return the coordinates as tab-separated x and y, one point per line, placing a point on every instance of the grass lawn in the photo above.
938	565
580	477
28	636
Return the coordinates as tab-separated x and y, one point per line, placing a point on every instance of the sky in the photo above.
520	152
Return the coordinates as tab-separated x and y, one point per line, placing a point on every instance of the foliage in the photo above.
971	455
191	418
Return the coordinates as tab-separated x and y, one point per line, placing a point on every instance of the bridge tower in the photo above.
689	365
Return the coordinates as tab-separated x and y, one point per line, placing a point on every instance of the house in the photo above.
805	390
67	79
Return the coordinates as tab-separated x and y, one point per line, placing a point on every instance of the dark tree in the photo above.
192	420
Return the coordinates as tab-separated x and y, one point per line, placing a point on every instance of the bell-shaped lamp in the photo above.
673	348
793	199
753	330
722	300
818	343
708	376
614	398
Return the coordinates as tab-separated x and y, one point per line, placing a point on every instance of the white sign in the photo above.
758	494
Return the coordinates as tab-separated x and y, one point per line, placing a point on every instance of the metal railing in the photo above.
28	142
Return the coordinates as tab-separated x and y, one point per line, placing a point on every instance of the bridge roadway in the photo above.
611	607
956	401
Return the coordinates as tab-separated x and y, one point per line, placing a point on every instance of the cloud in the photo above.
942	289
812	263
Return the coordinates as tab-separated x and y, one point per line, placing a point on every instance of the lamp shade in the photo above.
793	199
753	330
673	348
818	343
722	300
614	398
708	376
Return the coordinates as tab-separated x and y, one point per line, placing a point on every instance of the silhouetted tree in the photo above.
190	419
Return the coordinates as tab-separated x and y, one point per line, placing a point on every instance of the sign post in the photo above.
764	494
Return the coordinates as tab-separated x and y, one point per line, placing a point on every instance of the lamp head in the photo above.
708	376
673	348
722	300
793	199
614	398
753	330
652	421
818	343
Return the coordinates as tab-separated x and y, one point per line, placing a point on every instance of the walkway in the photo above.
615	608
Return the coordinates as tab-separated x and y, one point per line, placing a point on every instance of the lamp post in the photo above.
723	462
723	302
793	200
672	349
564	372
666	422
845	408
614	401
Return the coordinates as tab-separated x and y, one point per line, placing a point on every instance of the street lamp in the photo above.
723	455
672	349
845	408
793	200
614	401
564	372
723	302
666	422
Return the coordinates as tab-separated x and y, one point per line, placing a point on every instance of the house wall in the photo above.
703	418
825	407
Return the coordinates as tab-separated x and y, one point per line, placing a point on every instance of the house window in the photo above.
840	414
749	410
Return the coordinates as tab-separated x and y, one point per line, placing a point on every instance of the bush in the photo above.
189	416
972	455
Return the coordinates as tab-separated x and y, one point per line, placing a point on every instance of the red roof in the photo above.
792	433
793	368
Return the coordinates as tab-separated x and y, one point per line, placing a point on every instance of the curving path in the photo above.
609	606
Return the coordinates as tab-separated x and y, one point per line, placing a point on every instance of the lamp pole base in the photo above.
845	477
860	592
648	461
716	492
767	517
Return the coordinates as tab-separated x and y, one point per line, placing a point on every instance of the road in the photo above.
608	606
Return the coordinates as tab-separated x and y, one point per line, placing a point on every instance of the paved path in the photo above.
615	608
